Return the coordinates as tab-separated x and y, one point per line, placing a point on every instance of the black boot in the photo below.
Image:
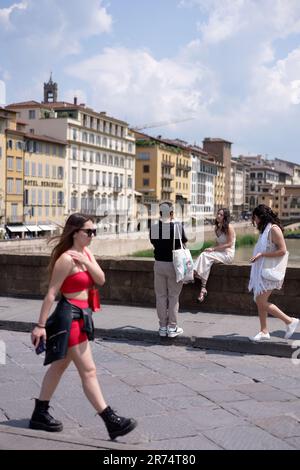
41	419
116	425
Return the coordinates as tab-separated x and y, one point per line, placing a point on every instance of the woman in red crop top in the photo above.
74	271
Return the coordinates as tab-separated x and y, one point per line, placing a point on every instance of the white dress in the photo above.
257	283
204	262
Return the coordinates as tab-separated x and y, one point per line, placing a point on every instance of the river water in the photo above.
243	254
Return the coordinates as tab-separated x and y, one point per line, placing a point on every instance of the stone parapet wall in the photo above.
130	282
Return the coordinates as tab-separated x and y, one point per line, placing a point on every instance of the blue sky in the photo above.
231	66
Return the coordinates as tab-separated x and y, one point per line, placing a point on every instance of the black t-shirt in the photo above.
161	237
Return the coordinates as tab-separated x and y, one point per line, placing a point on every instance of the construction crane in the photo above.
161	123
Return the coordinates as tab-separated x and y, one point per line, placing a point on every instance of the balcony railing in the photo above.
92	187
180	166
167	164
167	189
166	176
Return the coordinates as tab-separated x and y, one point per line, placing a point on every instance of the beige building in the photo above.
219	189
238	188
14	184
162	170
44	182
99	168
220	149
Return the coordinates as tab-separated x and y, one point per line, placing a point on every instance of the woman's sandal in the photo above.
203	294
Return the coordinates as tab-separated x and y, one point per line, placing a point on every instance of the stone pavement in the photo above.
223	332
183	398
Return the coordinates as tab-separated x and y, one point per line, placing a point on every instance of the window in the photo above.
10	185
143	156
10	163
47	172
60	198
97	178
60	172
47	197
146	168
84	176
129	182
31	114
26	170
33	196
33	169
74	175
74	132
91	177
73	203
98	157
54	172
104	178
146	182
26	197
74	153
40	197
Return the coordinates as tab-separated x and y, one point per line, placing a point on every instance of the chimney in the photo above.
75	100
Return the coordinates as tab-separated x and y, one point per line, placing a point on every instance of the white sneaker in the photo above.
290	329
173	332
260	336
162	331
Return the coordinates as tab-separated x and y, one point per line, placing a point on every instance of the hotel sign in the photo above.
48	184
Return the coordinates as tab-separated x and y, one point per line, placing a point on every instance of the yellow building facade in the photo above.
44	181
162	171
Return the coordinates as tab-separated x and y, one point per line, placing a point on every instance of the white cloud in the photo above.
52	26
224	21
135	85
6	13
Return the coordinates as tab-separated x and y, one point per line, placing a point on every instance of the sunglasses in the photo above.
89	231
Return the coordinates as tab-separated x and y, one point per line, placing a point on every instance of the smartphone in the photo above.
41	346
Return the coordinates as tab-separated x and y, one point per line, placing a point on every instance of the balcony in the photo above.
117	189
180	166
165	164
166	176
92	187
167	189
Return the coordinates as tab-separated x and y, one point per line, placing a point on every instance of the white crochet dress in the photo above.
257	283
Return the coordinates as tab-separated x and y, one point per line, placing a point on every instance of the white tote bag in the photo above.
274	267
182	260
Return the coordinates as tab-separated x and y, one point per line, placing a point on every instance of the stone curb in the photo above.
240	344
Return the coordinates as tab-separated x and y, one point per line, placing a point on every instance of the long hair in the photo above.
73	224
225	223
266	216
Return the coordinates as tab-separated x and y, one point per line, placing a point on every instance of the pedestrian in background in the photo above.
222	252
270	244
167	290
74	271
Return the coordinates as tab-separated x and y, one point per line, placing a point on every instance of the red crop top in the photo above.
77	282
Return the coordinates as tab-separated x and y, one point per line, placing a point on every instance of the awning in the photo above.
47	228
33	228
16	228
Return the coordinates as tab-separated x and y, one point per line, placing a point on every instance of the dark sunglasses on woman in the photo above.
89	231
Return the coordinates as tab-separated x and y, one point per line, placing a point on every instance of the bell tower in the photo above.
50	91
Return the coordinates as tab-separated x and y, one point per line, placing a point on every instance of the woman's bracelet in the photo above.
39	325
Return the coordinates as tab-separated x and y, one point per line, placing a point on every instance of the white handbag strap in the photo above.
179	234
